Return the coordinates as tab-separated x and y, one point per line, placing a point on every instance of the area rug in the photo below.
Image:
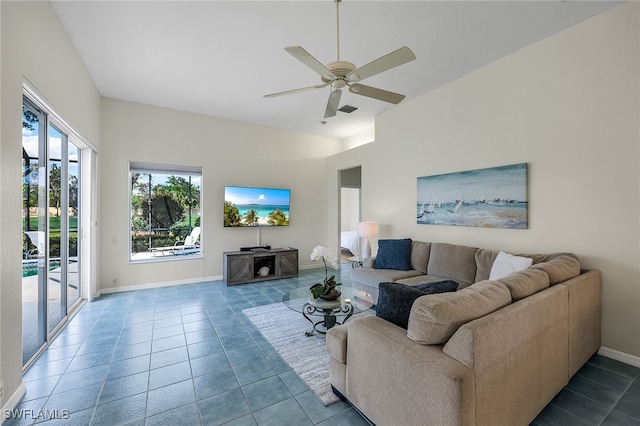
285	330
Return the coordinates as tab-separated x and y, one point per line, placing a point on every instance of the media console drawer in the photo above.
242	267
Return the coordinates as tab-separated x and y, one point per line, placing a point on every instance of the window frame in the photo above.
165	170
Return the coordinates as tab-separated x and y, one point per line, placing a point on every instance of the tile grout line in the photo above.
270	295
615	404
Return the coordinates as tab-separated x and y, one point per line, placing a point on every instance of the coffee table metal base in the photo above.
328	315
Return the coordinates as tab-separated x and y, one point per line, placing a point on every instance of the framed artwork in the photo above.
493	198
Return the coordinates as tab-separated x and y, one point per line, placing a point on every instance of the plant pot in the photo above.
334	294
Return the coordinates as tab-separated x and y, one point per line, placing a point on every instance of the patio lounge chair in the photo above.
37	239
190	244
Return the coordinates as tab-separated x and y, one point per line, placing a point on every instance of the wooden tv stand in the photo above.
241	267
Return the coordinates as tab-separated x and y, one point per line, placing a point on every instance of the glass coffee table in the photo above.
351	302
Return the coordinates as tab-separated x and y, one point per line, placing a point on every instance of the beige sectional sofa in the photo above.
495	352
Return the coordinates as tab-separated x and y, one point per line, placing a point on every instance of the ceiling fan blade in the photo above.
384	63
289	92
306	58
375	93
332	103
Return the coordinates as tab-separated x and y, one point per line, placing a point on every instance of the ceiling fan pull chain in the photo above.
338	28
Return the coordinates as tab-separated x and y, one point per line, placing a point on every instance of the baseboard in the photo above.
315	266
13	402
147	286
619	356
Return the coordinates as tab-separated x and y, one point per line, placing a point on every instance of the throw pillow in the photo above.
435	287
394	254
395	300
506	263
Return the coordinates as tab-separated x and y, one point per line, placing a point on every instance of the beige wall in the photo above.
569	107
350	209
230	153
35	46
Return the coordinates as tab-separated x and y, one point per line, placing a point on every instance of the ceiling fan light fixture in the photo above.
354	77
338	84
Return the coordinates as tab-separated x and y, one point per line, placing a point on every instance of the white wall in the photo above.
35	46
230	153
569	106
350	209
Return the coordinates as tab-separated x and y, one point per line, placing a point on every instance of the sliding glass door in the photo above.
73	225
56	307
51	259
34	226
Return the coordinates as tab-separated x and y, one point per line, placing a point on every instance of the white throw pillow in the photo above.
506	263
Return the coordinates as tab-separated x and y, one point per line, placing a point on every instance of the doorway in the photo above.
52	260
350	213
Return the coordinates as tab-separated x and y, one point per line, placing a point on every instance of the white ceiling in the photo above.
220	57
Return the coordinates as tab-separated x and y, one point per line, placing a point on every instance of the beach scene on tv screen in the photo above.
244	206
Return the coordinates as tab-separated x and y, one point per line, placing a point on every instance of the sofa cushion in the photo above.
420	255
395	300
394	254
436	317
560	268
452	261
372	277
484	262
369	262
525	283
506	263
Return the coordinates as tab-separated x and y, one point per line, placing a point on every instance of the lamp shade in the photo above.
367	229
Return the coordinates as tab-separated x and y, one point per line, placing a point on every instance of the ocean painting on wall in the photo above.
493	198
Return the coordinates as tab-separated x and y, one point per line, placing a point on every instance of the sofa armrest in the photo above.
337	342
395	381
519	355
337	350
369	262
585	301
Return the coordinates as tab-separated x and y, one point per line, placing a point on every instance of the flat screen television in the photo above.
247	206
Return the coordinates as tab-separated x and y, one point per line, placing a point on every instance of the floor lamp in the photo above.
366	230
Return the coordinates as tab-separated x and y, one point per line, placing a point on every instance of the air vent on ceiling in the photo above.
347	108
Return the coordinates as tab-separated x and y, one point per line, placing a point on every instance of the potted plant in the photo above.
327	290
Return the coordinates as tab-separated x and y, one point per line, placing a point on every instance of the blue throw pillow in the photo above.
395	300
394	254
443	286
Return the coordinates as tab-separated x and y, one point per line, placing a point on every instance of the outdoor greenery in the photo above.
161	212
31	193
54	244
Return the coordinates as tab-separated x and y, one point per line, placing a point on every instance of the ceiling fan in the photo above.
341	74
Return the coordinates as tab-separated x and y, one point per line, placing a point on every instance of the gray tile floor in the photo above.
603	392
187	355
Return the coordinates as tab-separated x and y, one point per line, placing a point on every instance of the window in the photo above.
164	209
